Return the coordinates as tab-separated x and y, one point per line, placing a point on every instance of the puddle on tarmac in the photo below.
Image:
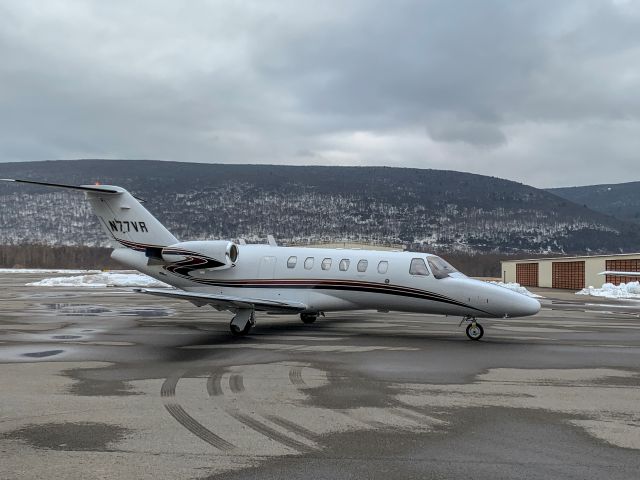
98	382
46	353
148	312
70	436
75	309
54	295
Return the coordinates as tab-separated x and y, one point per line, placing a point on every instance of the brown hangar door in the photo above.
569	275
622	266
527	274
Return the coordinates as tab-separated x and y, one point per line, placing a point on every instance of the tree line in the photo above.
48	256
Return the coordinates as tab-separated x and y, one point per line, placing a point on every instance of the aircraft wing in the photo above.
620	274
226	302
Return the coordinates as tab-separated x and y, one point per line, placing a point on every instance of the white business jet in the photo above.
244	278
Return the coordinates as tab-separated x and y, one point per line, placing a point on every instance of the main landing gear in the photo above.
242	322
474	329
308	317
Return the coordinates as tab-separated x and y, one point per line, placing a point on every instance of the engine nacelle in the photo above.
215	254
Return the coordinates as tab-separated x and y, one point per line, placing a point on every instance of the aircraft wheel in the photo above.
475	331
308	317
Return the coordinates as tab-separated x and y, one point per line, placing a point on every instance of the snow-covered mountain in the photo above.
434	209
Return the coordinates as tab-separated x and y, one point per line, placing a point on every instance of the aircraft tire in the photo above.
475	331
308	317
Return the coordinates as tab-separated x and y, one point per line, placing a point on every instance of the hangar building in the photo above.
570	272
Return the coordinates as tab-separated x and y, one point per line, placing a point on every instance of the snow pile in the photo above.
517	288
609	290
103	279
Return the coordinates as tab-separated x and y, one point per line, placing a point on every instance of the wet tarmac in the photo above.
107	383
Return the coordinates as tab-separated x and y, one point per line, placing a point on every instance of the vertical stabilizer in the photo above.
125	221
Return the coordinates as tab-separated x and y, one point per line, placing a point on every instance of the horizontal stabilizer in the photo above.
85	188
125	221
226	302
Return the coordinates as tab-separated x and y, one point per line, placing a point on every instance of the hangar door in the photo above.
569	275
527	274
622	266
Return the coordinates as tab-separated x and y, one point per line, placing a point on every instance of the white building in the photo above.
570	272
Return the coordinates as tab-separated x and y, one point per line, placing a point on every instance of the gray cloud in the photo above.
539	91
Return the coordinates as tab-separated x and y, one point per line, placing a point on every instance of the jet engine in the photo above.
217	254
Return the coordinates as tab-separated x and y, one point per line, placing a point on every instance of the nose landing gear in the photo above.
474	329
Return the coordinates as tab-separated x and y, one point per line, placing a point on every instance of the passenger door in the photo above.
267	267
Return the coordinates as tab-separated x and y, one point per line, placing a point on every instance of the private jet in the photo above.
244	279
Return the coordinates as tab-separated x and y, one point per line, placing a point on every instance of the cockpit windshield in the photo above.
440	268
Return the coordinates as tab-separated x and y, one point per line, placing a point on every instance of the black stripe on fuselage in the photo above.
183	267
140	247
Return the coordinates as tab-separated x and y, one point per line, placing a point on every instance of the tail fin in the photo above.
125	221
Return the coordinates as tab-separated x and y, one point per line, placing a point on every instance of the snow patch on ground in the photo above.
609	290
45	270
102	279
517	288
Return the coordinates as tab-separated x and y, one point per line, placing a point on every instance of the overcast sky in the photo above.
542	92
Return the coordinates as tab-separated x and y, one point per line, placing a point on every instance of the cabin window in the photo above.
418	267
291	263
308	263
383	266
344	264
326	264
362	266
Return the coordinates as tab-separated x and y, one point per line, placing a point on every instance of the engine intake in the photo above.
217	254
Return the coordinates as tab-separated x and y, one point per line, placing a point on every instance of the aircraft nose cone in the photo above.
525	306
508	303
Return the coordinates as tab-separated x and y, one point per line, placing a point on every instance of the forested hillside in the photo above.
620	200
434	210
